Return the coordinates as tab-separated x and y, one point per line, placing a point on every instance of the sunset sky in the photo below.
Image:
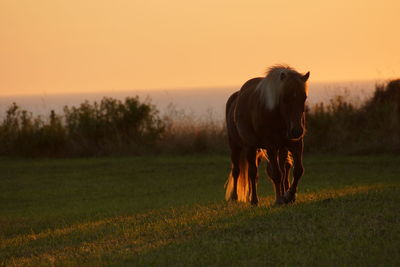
52	46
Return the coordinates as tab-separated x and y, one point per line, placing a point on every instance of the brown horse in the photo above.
266	119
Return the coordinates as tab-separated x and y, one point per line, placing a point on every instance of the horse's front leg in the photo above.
252	173
285	164
275	174
298	170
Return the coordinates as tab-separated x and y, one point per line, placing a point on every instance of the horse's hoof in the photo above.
233	197
279	202
289	197
254	202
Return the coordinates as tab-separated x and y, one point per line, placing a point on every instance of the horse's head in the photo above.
292	102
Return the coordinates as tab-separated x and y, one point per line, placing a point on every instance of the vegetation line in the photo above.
131	127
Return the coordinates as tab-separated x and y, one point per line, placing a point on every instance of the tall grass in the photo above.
371	127
112	127
187	133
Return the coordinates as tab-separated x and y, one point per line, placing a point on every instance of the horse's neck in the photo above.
269	121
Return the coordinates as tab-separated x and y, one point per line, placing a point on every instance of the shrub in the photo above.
372	127
108	127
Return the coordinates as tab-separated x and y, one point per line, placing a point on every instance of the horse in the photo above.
265	119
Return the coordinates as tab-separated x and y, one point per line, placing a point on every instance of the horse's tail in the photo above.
243	188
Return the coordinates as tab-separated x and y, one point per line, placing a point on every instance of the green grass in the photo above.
169	210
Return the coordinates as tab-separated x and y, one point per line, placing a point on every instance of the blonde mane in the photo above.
271	86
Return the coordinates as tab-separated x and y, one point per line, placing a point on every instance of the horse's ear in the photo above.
306	76
283	76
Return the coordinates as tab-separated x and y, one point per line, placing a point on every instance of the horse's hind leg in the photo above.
235	171
251	155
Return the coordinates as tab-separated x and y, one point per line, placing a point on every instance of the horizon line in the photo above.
218	87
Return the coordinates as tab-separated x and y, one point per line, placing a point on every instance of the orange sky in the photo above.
53	46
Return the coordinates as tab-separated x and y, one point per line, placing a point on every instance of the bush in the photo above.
372	127
108	127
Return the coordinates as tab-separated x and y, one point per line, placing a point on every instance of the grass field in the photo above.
169	210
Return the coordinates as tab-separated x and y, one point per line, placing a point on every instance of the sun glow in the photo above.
73	46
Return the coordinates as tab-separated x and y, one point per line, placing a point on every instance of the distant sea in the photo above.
197	102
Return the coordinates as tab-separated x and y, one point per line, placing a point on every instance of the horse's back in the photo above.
230	104
251	84
247	100
230	121
247	87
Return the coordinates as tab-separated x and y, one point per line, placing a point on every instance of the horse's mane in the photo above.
270	87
